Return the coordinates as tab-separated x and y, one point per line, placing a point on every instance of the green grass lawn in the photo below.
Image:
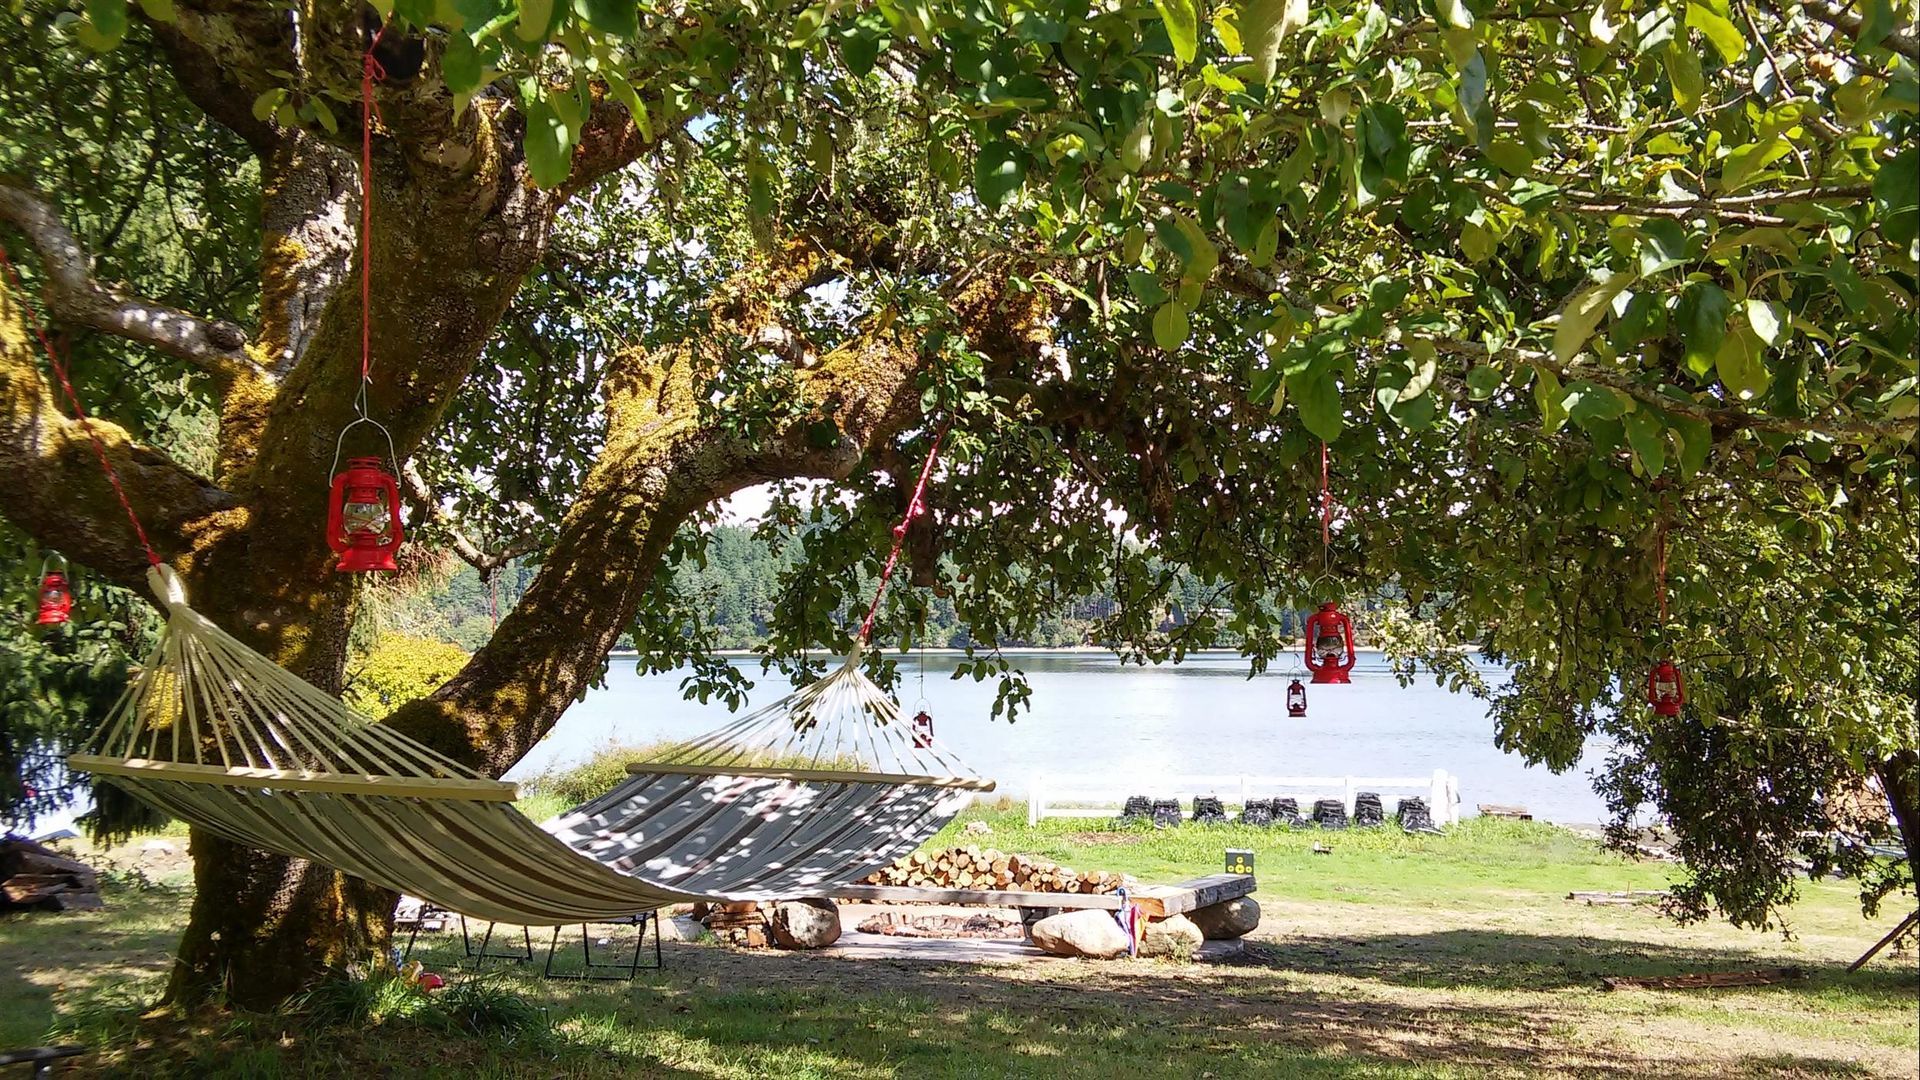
1393	956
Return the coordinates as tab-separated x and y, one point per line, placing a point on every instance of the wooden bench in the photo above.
1155	901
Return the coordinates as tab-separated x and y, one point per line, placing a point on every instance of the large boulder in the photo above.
806	924
1227	919
1176	936
1087	932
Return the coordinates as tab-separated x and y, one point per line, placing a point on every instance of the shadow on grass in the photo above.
1503	960
718	1013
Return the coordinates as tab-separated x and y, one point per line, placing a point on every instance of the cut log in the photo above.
1704	980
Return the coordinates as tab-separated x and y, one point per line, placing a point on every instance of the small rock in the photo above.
806	924
160	846
978	828
1227	919
1087	932
1175	935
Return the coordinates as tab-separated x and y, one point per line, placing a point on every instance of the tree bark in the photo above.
1900	777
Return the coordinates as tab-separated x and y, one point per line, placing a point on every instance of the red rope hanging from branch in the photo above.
370	73
915	507
1660	570
79	410
1326	510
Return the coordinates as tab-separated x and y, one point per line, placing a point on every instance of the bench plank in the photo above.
1158	902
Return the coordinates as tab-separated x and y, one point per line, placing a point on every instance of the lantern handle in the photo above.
393	457
49	557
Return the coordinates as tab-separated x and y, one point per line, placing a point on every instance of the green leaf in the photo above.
1137	147
807	26
1317	397
998	172
1549	399
1265	244
323	115
1587	401
1768	319
1584	312
1511	156
623	92
1484	381
109	17
1648	438
1743	164
549	144
1738	361
1702	322
1696	439
1170	327
1663	245
1683	74
860	50
1200	256
1472	91
1712	18
1896	198
1183	27
1454	13
535	17
621	18
460	65
269	103
1264	26
160	11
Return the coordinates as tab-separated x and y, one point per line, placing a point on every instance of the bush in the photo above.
397	670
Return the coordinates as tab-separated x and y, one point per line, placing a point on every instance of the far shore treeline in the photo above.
744	579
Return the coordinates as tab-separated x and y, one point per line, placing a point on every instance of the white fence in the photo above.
1083	797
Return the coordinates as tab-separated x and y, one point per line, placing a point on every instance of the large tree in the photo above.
1547	282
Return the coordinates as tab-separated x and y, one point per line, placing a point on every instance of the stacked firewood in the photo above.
986	868
32	876
739	922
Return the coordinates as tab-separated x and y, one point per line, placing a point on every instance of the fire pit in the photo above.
901	924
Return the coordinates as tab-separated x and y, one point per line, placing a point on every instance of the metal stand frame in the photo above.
624	972
481	954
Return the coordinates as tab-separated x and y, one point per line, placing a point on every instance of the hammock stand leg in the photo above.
481	954
1883	942
589	966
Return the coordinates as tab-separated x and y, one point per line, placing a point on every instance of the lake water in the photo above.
1093	717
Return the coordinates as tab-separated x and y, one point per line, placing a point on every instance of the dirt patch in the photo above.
1104	839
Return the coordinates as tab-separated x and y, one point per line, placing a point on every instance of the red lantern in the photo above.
56	596
1329	634
363	522
1296	699
1666	690
922	730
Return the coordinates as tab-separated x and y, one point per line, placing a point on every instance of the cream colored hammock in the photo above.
815	790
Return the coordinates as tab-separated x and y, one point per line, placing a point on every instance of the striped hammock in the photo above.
815	790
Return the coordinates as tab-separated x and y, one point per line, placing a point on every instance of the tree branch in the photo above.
1722	418
55	489
73	296
420	496
1837	16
